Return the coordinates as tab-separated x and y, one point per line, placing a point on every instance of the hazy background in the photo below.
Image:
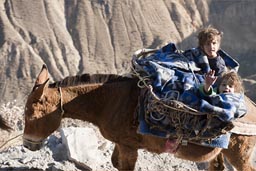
100	36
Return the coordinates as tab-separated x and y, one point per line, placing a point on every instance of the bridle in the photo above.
33	142
39	143
61	102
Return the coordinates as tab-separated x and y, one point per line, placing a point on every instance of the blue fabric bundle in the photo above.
172	71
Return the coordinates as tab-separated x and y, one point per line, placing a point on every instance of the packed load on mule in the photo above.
172	105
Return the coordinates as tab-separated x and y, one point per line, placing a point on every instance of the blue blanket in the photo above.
176	75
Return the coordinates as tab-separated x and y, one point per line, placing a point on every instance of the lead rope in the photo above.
61	102
9	140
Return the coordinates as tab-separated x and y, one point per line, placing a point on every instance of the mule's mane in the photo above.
89	79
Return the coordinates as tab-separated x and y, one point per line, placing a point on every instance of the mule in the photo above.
109	102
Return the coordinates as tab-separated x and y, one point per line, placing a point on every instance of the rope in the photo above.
142	83
61	102
189	123
189	66
141	53
185	108
11	139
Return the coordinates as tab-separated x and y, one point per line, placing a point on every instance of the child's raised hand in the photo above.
210	79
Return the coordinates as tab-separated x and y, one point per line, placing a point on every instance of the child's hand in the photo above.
210	79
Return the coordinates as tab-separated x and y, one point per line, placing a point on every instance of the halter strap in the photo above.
61	102
32	142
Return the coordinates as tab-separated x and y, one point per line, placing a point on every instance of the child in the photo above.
230	82
227	100
209	43
208	56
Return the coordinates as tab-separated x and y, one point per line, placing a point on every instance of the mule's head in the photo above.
42	112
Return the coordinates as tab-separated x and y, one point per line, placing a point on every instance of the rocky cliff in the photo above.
99	36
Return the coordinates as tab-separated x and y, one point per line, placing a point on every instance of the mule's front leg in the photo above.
124	157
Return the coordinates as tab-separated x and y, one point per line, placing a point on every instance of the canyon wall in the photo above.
100	36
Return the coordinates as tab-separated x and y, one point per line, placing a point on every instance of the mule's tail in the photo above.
4	125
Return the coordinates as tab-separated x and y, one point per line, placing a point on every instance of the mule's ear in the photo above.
43	76
39	91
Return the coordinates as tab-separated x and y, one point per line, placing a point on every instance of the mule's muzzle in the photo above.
32	145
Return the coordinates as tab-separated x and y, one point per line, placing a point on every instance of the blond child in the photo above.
230	82
227	99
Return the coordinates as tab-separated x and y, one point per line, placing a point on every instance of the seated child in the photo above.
226	102
230	83
208	54
227	99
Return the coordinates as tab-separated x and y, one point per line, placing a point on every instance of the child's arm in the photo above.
210	79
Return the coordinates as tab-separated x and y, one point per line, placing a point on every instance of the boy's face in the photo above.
226	87
211	47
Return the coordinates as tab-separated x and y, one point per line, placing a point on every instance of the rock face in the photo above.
74	37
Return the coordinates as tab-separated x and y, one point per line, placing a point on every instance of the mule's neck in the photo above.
95	103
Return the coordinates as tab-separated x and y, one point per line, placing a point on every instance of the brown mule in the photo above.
109	102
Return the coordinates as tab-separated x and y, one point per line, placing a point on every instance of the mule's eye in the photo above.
35	101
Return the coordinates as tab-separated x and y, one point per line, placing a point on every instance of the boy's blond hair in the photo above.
233	78
208	34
